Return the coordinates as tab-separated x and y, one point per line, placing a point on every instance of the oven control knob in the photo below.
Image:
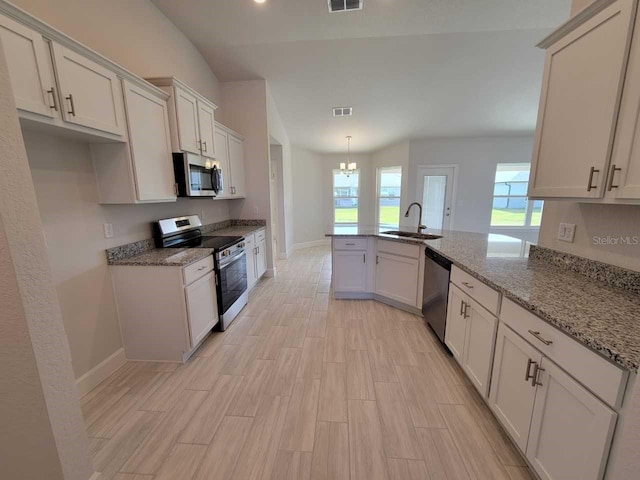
226	253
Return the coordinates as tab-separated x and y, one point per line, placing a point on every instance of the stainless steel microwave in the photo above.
197	176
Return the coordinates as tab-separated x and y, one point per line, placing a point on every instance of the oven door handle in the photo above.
232	260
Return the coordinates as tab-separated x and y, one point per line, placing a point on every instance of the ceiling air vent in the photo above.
342	111
345	5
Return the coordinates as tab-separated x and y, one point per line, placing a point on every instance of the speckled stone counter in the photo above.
601	316
165	257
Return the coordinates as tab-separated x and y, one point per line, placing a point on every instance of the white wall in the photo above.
42	430
278	132
309	191
477	159
134	34
73	220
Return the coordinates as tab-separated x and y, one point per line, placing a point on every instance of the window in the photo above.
389	181
511	207
345	197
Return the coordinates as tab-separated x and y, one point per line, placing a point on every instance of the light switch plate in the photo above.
108	230
567	232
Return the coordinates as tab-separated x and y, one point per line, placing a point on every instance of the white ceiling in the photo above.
410	68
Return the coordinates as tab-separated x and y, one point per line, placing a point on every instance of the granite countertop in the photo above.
165	257
600	316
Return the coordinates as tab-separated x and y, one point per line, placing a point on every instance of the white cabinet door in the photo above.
222	161
512	394
571	430
207	122
252	272
187	121
624	172
236	164
579	106
261	257
456	330
150	143
397	278
29	64
202	307
91	95
478	347
350	271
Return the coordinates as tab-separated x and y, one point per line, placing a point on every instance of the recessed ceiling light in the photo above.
259	1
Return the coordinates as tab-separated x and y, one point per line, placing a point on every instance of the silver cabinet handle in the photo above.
350	244
467	284
205	146
466	310
528	376
199	143
53	96
377	259
614	169
364	258
539	337
535	378
591	186
462	304
73	107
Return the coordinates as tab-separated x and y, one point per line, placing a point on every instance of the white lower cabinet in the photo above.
255	244
564	430
202	307
571	430
470	335
165	312
350	270
512	396
396	278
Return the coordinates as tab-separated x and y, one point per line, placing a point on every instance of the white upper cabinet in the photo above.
150	144
29	64
582	83
624	171
222	162
236	164
91	94
207	122
191	118
186	107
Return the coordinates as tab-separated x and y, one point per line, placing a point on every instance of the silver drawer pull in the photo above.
350	244
467	284
535	378
539	337
202	268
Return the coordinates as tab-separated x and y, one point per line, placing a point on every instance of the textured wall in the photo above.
42	431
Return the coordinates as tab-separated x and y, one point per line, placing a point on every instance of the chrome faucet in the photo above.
406	215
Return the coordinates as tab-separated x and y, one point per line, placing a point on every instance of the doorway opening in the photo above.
437	192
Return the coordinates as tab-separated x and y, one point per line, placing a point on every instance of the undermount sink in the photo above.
421	236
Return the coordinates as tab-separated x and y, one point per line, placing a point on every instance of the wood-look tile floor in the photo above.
302	386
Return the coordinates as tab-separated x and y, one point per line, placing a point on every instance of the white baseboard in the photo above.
315	243
270	273
100	372
95	476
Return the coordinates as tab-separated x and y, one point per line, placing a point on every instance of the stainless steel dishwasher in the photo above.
437	270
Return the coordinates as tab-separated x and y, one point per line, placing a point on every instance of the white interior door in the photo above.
436	193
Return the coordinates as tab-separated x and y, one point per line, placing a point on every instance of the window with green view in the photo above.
511	207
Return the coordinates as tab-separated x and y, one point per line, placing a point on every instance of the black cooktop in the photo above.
218	243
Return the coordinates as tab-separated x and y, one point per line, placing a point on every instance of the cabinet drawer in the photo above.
481	293
600	376
249	240
259	235
397	248
197	270
350	243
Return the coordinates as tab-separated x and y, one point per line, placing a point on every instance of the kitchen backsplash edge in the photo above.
136	248
612	275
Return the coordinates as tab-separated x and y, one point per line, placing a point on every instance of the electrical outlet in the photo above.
108	230
567	232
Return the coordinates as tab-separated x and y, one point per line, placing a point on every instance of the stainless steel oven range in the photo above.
229	259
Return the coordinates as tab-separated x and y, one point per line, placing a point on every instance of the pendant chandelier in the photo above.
349	167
